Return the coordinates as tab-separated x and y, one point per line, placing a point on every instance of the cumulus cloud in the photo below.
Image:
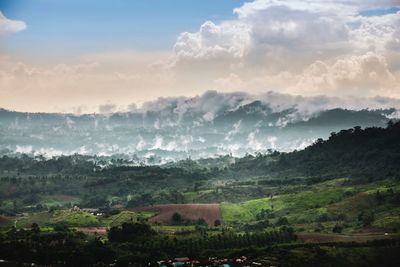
366	74
299	47
10	26
211	41
263	27
312	47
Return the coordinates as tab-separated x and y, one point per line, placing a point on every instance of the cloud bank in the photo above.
307	47
210	124
212	104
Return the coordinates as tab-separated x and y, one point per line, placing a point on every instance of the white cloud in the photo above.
230	82
374	33
272	141
158	142
10	26
312	47
290	45
141	144
235	130
253	143
207	104
261	27
307	106
367	74
213	41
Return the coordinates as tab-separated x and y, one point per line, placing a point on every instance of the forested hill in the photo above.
371	153
368	154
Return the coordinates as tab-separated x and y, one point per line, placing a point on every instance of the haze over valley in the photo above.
208	125
173	133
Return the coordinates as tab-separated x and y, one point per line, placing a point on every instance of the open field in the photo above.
93	230
163	229
71	218
4	221
118	219
67	217
359	237
316	207
327	203
209	212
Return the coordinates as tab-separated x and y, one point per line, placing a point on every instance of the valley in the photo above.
209	210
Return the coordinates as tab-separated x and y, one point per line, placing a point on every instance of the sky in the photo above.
79	56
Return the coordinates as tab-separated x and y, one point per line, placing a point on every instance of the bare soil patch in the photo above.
93	230
5	220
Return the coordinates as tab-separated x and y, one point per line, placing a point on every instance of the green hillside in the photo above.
364	154
328	202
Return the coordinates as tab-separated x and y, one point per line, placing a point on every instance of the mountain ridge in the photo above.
167	134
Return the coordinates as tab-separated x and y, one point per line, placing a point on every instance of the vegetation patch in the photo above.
193	212
120	218
75	218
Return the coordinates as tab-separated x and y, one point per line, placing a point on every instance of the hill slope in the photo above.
373	153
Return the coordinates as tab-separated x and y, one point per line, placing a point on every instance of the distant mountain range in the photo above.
179	129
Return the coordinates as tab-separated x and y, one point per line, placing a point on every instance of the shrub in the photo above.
337	228
177	218
282	221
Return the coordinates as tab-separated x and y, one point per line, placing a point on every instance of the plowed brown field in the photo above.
5	220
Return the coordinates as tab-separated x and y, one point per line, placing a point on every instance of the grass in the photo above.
235	213
391	221
75	218
192	196
58	200
78	218
120	218
172	230
145	215
297	206
70	218
330	198
41	218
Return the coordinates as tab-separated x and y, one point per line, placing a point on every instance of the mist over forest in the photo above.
208	125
